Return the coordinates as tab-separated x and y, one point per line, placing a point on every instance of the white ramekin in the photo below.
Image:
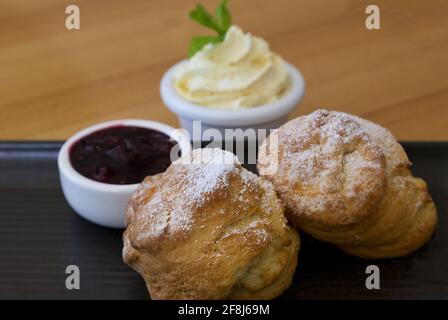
268	116
103	203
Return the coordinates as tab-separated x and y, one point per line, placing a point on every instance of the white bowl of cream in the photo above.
238	83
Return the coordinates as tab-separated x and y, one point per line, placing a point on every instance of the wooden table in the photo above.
54	82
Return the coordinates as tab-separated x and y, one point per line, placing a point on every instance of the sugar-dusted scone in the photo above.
346	180
208	229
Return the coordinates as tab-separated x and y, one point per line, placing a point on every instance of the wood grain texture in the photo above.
54	82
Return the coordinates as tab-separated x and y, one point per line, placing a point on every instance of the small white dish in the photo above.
267	116
98	202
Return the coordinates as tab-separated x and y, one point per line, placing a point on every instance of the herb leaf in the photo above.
223	17
200	15
199	42
220	23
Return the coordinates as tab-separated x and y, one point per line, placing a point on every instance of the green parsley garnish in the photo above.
220	22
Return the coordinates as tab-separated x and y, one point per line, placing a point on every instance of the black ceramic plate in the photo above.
40	236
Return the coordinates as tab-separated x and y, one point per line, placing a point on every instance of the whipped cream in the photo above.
240	72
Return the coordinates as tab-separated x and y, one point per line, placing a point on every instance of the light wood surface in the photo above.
54	82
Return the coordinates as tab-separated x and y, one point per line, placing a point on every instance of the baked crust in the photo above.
346	180
207	230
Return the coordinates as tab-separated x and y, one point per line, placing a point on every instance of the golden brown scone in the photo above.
346	180
209	230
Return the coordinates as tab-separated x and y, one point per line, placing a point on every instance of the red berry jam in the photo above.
121	154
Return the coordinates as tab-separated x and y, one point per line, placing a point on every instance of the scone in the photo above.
209	229
347	181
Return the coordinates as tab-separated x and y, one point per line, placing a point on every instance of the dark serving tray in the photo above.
40	236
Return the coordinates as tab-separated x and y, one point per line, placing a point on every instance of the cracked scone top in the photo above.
331	162
347	181
209	229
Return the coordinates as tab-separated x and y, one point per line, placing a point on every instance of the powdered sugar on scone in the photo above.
188	186
328	163
206	229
